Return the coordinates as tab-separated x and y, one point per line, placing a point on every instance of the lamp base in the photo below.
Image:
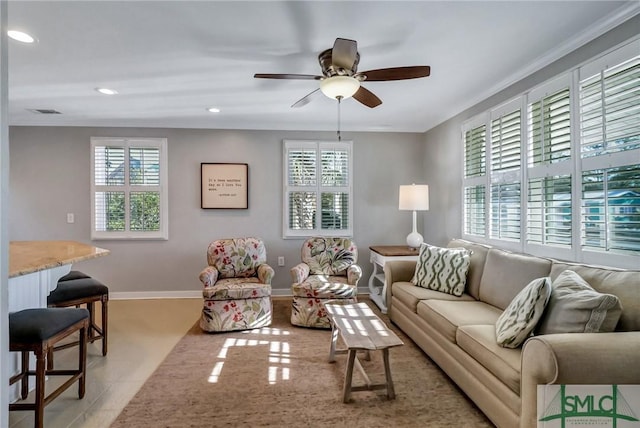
414	240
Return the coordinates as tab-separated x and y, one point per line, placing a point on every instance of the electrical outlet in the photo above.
281	261
71	218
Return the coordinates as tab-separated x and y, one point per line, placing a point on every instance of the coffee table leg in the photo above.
348	376
391	393
334	339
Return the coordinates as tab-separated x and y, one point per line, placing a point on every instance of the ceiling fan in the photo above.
340	78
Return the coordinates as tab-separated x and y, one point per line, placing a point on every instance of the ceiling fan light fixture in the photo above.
342	87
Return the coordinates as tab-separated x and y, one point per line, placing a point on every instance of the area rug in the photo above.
280	376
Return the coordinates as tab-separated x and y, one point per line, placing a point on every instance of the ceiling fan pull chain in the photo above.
339	99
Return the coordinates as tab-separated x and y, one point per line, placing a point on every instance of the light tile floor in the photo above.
141	334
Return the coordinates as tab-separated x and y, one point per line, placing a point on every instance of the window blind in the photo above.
144	166
301	167
610	210
506	142
474	210
475	152
549	129
549	211
505	211
335	167
610	110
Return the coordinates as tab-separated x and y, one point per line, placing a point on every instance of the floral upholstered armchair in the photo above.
328	271
237	286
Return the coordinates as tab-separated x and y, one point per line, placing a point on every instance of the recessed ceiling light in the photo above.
213	110
106	91
20	36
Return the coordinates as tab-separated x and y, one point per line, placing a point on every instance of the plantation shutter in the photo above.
549	129
549	197
475	148
335	182
611	209
474	210
505	142
505	211
505	199
610	110
549	211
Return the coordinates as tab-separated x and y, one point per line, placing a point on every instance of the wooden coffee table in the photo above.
360	330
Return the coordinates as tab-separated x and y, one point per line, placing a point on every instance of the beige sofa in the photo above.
458	333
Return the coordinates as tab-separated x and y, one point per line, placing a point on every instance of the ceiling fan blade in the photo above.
397	73
304	100
367	97
287	76
344	53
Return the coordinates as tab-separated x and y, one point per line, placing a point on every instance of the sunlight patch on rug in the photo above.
279	354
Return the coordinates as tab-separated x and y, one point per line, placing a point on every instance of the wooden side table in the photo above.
381	254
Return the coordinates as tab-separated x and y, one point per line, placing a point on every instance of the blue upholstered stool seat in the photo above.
38	330
75	289
38	325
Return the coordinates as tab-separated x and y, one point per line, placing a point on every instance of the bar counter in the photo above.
27	257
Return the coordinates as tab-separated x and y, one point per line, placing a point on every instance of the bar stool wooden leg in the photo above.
105	307
24	368
40	378
82	361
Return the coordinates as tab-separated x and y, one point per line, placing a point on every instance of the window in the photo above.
317	178
578	138
129	188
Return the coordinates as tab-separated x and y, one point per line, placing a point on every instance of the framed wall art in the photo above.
224	185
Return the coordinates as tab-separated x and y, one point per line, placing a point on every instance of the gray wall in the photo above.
50	178
443	144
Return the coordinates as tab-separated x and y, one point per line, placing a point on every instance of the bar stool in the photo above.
38	330
75	289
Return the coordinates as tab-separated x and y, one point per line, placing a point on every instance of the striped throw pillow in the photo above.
442	269
519	319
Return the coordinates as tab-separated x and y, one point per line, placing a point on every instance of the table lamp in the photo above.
414	197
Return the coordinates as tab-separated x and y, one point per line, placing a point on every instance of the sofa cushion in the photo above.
625	284
410	294
505	274
446	316
442	269
478	259
575	307
479	341
519	319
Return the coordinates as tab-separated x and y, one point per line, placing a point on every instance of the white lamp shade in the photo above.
414	197
339	86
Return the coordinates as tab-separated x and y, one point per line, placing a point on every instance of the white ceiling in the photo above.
170	60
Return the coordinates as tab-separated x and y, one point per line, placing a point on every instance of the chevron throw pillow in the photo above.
519	319
442	269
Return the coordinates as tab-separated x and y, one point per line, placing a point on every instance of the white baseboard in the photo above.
189	294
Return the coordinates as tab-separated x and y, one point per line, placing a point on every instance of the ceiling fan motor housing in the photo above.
328	69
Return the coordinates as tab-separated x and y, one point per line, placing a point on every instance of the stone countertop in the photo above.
26	257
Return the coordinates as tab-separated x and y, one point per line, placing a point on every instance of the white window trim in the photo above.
288	233
161	144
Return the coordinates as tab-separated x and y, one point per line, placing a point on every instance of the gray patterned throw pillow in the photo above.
519	319
442	269
575	307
